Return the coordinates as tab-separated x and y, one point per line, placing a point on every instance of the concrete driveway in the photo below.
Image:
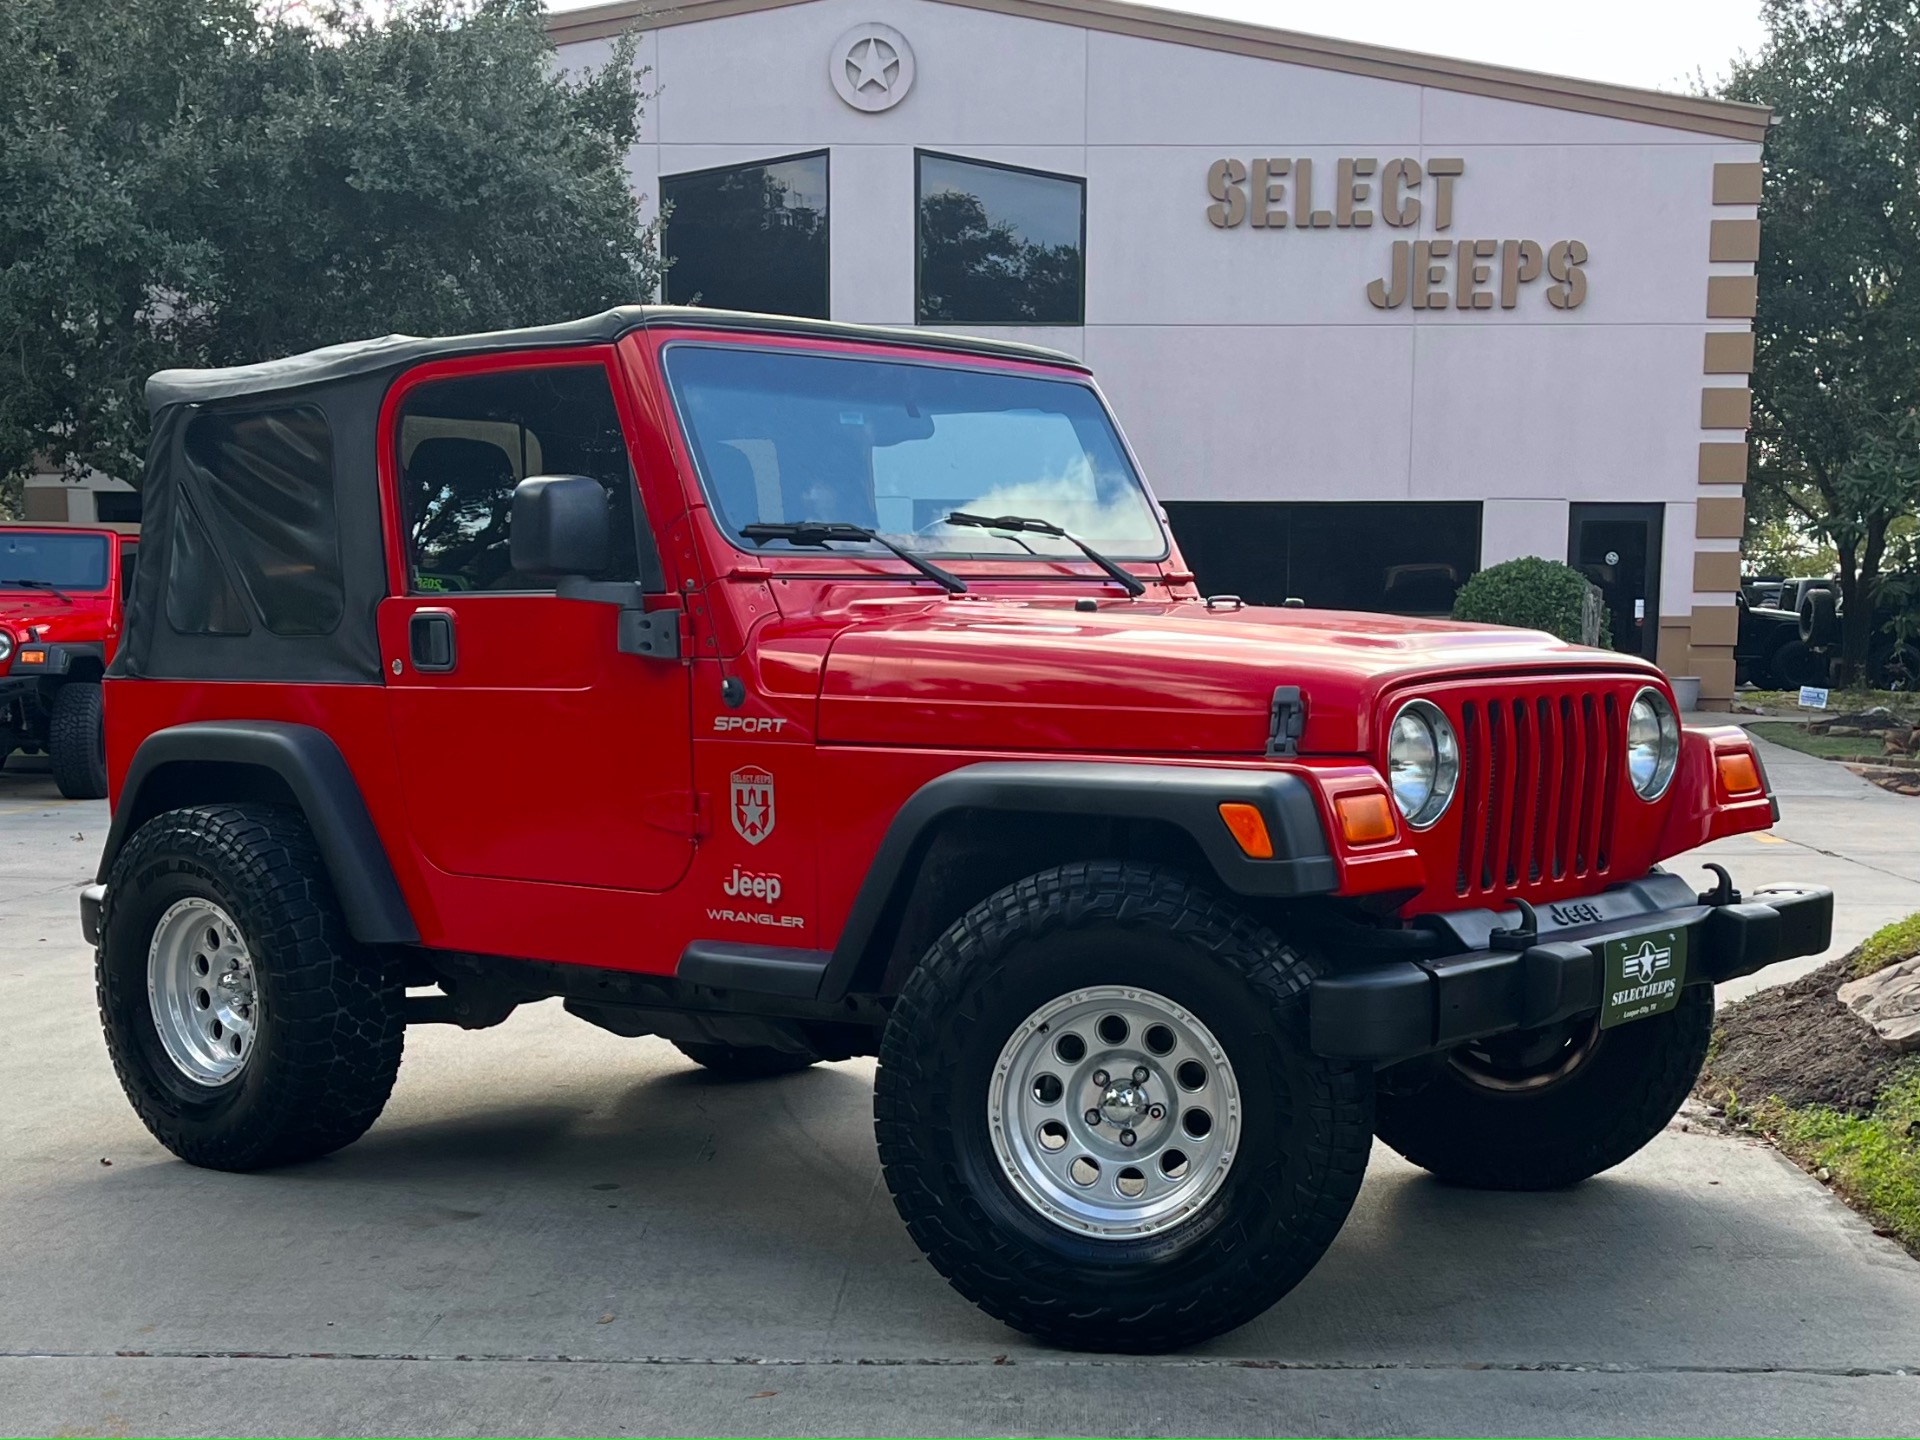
553	1229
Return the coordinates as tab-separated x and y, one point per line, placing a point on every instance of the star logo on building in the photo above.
873	62
871	67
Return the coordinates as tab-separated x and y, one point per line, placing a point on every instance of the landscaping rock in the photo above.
1898	740
1889	1001
1841	732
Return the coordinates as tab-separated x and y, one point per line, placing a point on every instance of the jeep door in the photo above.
529	747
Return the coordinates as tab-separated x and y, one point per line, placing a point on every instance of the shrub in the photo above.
1529	592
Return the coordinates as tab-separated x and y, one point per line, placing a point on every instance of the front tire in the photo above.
1496	1117
1072	1232
247	1027
77	742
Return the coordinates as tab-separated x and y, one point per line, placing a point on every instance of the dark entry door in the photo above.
1618	548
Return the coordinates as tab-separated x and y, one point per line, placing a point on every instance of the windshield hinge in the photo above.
653	633
1287	722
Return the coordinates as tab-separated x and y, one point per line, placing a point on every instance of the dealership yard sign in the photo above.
1431	274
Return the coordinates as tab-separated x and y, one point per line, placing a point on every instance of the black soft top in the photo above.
261	499
390	353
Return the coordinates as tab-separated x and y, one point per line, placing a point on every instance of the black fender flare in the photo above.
312	769
1186	796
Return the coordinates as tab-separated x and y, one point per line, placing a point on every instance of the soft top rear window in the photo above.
261	491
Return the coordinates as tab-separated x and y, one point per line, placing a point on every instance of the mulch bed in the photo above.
1799	1043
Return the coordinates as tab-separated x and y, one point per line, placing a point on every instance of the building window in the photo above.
116	507
1407	558
749	237
998	245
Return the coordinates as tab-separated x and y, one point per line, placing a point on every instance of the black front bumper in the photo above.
1460	985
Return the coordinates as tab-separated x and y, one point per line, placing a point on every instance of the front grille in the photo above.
1538	778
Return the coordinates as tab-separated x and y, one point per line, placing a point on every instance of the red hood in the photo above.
84	620
1146	677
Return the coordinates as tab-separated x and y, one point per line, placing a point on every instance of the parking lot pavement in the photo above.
1835	829
554	1229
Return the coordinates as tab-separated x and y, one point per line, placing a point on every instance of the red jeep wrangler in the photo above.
881	717
61	594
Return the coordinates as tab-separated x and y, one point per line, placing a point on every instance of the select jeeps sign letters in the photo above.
1434	274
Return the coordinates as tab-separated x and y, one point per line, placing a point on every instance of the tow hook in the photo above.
1723	892
1522	936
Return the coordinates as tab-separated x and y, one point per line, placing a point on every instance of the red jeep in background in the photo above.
61	594
876	713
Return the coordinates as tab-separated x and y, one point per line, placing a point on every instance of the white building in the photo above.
1371	318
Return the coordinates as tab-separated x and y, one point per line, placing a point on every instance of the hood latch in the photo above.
1287	722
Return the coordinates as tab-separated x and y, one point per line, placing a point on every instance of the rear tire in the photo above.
241	887
744	1062
1793	665
77	741
1225	1219
1571	1116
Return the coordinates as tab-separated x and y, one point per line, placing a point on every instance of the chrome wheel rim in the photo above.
201	986
1114	1112
1548	1060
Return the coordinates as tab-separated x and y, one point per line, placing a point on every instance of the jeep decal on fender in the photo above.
752	805
756	887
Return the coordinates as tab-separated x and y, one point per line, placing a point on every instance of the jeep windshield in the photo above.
44	561
783	437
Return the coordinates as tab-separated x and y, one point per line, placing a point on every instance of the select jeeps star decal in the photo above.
1646	962
752	805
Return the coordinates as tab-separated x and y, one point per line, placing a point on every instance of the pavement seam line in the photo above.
990	1362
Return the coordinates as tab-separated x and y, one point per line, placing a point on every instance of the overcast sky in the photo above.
1660	44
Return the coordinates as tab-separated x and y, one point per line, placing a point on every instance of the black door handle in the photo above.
430	638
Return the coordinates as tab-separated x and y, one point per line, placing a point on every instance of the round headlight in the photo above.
1423	762
6	644
1653	743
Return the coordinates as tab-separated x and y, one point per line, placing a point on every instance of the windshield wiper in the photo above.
1017	523
819	532
38	585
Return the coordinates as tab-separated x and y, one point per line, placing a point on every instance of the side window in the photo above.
261	496
465	444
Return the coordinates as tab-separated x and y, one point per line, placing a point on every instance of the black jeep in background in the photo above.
1790	636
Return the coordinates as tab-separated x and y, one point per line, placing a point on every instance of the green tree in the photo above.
1836	382
194	182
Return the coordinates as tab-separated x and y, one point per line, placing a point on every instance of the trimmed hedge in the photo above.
1532	593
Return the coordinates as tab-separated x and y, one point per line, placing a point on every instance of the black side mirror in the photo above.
560	526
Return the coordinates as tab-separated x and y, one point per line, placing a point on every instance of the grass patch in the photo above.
1874	1159
1888	945
1794	736
1839	702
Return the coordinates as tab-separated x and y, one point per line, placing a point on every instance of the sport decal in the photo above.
753	804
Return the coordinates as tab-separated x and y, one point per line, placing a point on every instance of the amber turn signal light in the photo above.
1365	818
33	657
1249	829
1738	774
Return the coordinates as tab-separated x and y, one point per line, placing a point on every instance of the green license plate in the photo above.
1644	976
